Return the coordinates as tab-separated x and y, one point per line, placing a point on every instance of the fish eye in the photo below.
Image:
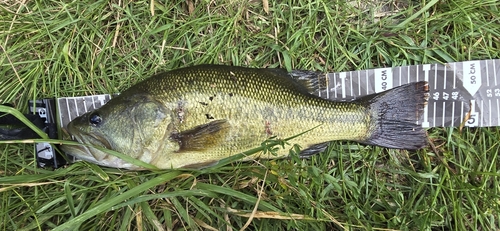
95	119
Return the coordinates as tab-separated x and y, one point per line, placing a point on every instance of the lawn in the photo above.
74	48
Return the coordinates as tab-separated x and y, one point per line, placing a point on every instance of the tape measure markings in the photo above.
452	113
454	75
85	104
471	82
385	79
489	106
444	116
482	110
494	71
76	103
487	79
461	113
359	80
72	107
425	124
335	85
68	111
367	76
498	110
342	83
93	103
444	76
350	82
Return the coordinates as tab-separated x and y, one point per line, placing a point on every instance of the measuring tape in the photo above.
457	91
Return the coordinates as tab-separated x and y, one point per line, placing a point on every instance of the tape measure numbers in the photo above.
454	88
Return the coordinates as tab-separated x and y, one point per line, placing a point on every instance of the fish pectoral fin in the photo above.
203	136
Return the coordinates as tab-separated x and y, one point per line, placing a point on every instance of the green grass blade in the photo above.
106	205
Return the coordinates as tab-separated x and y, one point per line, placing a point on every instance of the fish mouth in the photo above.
86	151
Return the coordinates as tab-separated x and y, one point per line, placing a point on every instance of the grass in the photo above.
55	49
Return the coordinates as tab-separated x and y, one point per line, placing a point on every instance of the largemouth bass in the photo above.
193	117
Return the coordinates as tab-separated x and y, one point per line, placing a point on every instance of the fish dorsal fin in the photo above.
202	136
310	80
304	81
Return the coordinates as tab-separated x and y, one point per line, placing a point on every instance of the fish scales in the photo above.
196	116
279	108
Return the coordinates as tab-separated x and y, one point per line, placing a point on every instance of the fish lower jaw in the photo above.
119	163
109	161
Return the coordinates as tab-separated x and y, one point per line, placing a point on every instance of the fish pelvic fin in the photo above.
395	115
202	137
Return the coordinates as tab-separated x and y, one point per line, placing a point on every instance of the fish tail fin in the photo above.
395	115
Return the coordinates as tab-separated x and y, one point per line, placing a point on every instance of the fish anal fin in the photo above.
202	137
201	165
313	150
